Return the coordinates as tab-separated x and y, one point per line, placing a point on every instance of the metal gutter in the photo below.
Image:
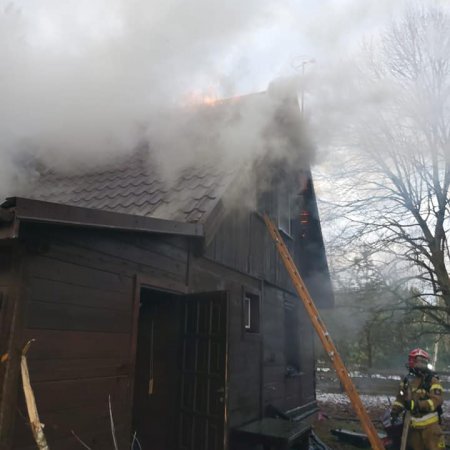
28	210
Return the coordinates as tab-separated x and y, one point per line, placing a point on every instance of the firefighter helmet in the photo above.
418	352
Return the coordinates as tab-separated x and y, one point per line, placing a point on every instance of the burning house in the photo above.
166	298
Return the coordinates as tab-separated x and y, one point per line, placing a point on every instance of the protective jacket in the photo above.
422	394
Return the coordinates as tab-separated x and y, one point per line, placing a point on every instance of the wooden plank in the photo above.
63	293
53	396
67	369
204	270
117	247
72	317
122	253
29	210
174	248
151	264
242	242
6	255
67	344
76	273
257	246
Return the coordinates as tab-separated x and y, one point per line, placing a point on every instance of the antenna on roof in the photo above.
298	64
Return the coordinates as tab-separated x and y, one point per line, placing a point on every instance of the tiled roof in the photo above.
135	186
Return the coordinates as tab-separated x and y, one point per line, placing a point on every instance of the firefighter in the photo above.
421	393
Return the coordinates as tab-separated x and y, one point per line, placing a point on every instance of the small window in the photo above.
284	212
251	312
247	313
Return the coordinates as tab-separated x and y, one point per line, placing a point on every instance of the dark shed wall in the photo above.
288	342
6	281
243	242
80	287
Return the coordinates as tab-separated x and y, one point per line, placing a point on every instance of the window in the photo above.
251	312
284	211
247	312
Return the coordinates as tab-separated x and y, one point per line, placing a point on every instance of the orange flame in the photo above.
198	98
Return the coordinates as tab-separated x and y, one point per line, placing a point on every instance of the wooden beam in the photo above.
28	210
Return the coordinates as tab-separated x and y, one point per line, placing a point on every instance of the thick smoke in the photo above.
84	80
81	81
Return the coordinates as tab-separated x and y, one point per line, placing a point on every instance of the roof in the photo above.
135	186
225	139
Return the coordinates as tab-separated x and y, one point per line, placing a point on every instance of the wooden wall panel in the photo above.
11	327
280	391
80	295
78	273
258	242
53	315
61	292
65	344
112	251
244	366
5	265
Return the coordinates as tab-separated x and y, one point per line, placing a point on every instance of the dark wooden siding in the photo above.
279	390
242	242
80	287
6	279
11	316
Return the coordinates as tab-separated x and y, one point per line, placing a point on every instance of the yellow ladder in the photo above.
322	332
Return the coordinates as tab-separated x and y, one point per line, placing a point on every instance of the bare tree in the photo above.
395	178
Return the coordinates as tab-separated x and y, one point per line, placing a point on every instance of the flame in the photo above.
208	97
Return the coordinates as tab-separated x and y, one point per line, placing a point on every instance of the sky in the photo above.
82	79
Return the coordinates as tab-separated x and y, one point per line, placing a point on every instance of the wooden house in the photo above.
187	325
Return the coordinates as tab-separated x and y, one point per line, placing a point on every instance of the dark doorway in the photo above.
180	382
157	375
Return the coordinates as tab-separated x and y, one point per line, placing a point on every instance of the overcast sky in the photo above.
234	45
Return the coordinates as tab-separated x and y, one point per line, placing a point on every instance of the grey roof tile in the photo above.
135	188
135	185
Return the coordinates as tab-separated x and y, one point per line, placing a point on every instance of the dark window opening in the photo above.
251	312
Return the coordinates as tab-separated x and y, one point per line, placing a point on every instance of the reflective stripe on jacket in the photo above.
427	419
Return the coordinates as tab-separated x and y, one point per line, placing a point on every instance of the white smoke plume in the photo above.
87	80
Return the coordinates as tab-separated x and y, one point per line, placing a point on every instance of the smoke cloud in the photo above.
84	80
